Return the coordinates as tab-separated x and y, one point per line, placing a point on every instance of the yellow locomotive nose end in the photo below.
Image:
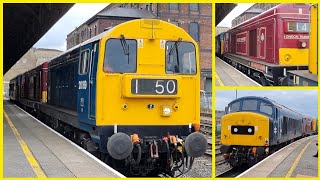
152	24
244	128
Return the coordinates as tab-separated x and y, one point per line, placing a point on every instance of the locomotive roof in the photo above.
276	8
267	100
127	12
95	38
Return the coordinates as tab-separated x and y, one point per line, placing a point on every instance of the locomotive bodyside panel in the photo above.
63	81
241	43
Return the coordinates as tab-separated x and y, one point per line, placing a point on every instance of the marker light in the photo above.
166	111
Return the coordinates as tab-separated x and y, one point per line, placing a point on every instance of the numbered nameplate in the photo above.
154	86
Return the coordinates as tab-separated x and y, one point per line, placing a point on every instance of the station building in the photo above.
196	19
33	58
251	12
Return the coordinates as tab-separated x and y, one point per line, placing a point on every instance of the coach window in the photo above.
250	105
84	61
194	7
266	108
194	30
174	6
180	58
235	107
285	125
120	56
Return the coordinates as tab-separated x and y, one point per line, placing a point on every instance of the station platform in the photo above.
31	149
227	75
294	160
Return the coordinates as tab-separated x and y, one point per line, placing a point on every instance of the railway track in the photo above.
206	123
209	150
232	172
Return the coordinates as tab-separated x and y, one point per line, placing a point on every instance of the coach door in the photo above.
277	128
262	43
83	83
92	81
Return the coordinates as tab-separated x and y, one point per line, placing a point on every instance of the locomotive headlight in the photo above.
235	129
249	130
304	44
166	111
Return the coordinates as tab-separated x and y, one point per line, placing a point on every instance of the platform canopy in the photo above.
24	25
222	10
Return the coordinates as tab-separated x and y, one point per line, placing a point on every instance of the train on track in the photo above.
273	47
254	127
129	95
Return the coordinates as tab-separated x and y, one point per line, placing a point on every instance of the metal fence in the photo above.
205	102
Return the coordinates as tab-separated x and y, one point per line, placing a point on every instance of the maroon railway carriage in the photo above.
307	126
270	44
33	84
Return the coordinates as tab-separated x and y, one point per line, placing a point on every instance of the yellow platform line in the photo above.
219	80
296	161
32	160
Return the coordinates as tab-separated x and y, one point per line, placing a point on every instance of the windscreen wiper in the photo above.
175	46
125	46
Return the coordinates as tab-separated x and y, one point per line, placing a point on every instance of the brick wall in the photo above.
184	17
104	23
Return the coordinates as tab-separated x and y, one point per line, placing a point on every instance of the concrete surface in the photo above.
231	76
57	156
279	164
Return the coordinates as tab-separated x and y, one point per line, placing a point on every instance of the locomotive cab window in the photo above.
180	58
250	105
266	108
234	107
84	61
120	56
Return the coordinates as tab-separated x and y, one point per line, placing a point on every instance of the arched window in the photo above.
194	30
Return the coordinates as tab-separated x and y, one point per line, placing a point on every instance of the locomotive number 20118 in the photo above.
154	86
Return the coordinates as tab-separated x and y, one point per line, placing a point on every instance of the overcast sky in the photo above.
56	37
240	8
302	101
